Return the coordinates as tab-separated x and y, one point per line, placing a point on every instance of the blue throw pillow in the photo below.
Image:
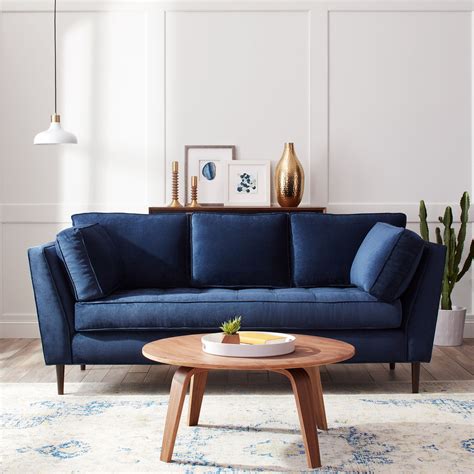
386	261
91	259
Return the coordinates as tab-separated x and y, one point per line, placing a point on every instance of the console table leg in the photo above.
179	387
302	389
196	393
317	389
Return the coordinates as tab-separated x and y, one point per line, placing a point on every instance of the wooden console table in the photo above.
249	210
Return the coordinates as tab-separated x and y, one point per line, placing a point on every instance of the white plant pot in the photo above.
450	326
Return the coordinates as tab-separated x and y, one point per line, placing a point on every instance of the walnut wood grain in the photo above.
235	209
302	390
196	394
318	400
179	387
187	351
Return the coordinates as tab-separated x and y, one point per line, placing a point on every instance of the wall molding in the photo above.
19	329
469	326
29	213
229	5
411	209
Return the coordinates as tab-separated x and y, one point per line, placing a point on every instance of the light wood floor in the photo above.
21	361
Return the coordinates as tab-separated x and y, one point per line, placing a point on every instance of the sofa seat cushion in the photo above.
261	308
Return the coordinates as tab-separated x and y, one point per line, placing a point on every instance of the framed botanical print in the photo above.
247	183
207	162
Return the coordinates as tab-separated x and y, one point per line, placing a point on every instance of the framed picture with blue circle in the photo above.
247	183
207	162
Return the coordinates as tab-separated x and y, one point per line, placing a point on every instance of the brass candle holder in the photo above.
174	185
194	192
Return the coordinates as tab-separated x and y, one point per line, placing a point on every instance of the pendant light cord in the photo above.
55	69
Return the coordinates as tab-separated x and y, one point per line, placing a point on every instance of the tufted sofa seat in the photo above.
289	309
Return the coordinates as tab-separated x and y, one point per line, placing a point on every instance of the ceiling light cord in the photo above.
55	134
55	68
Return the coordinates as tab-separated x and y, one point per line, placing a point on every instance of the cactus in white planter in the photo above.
453	272
450	325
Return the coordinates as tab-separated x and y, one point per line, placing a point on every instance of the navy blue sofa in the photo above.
184	273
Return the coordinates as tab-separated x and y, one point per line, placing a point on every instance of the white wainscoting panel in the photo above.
18	308
399	106
238	78
102	98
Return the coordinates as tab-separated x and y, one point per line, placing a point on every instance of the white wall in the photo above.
375	95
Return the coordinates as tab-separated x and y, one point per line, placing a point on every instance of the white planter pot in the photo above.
450	327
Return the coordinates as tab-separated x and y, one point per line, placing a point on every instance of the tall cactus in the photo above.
454	246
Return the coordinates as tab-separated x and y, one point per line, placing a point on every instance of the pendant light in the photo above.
55	134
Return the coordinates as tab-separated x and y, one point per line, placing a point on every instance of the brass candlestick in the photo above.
174	185
194	191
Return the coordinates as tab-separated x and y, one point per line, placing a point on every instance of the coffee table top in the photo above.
187	351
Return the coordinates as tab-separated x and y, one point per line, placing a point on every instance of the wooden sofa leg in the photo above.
60	379
392	365
83	366
415	377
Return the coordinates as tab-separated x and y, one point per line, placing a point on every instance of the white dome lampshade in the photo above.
55	135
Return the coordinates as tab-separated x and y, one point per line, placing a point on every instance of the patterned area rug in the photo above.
117	432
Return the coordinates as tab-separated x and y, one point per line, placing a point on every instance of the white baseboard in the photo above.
19	329
469	326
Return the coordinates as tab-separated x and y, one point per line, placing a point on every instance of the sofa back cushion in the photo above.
92	261
324	245
386	261
240	250
153	248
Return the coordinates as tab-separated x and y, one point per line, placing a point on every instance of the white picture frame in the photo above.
207	163
247	183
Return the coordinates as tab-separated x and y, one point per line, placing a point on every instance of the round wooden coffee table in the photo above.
301	367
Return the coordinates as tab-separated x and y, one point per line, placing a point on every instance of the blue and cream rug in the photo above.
115	432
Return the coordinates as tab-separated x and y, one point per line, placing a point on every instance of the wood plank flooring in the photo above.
21	361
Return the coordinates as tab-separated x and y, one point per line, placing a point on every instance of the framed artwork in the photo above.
207	162
247	183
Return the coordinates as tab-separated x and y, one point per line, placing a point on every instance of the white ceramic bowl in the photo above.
211	343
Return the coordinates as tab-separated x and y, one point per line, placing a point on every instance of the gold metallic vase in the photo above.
289	178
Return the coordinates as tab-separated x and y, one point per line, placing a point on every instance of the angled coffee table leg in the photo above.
179	387
317	389
196	393
302	389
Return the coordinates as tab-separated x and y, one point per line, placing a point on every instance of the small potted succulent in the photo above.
230	329
450	324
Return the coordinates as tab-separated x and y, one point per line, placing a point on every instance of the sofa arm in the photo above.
54	303
421	303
